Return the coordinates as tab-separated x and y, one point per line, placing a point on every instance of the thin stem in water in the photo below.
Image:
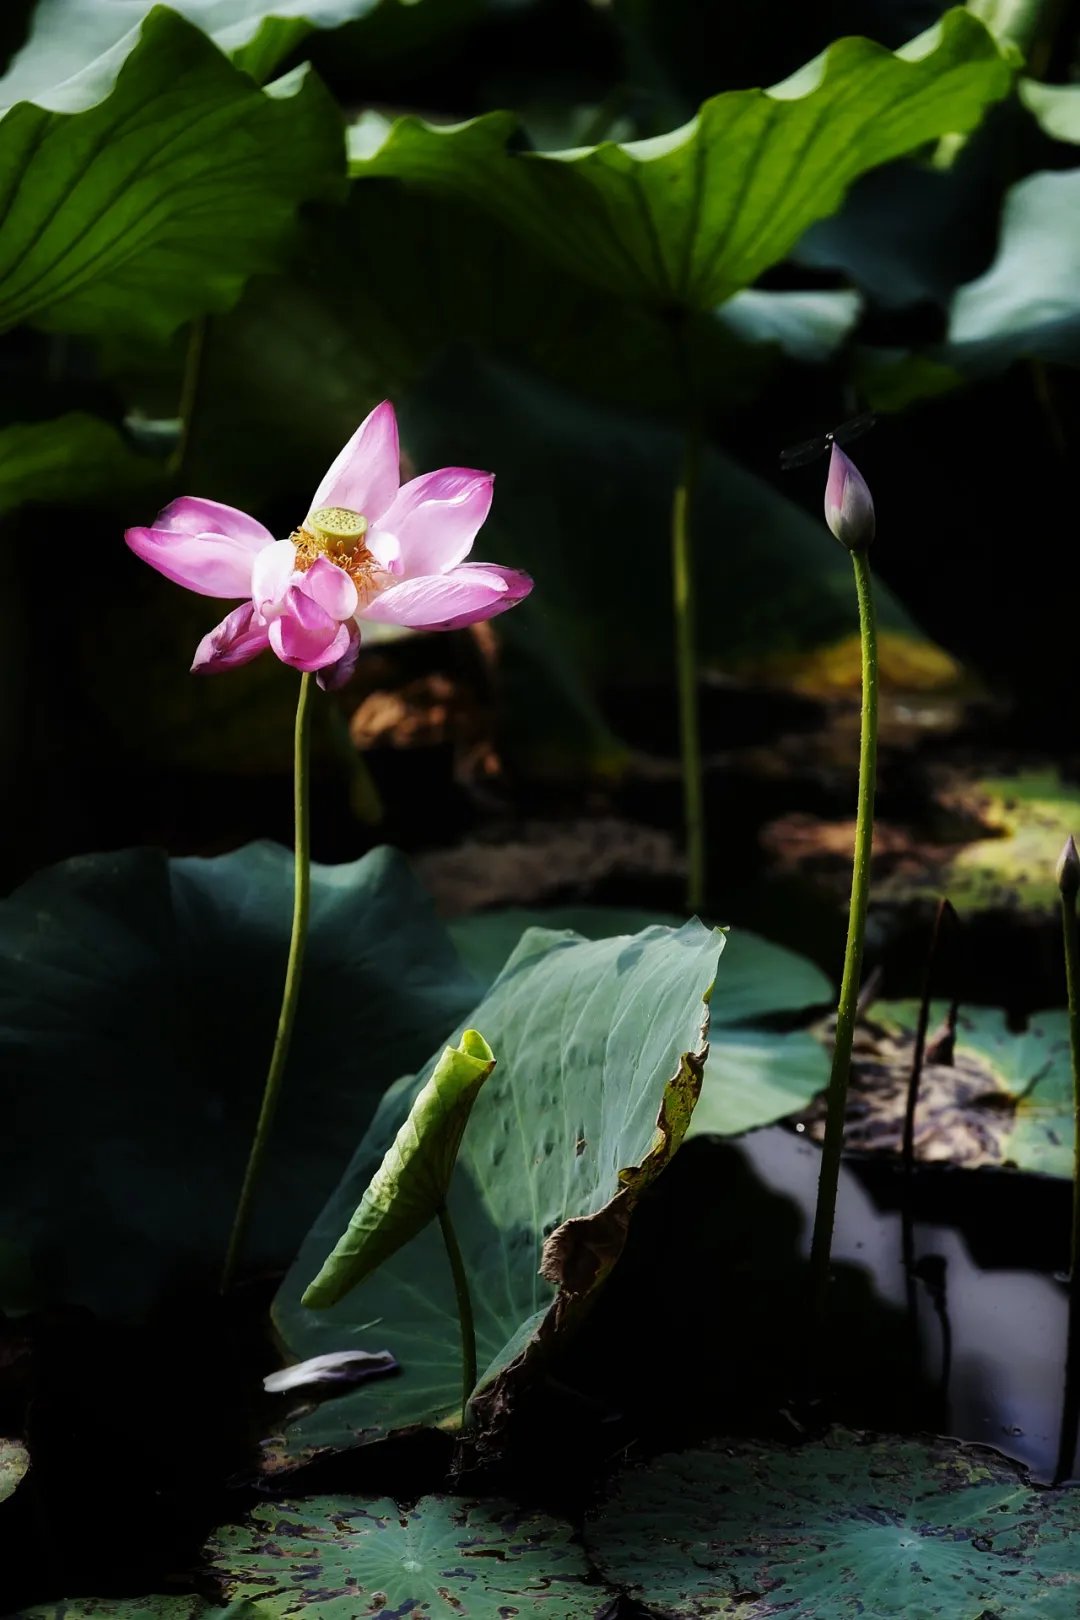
685	605
832	1148
1071	1408
293	971
464	1309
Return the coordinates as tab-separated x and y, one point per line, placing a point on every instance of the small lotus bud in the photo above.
849	506
1068	870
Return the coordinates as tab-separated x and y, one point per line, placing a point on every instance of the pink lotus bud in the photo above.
849	506
1068	870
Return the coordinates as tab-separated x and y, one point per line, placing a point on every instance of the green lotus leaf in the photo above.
157	203
1026	305
1005	1098
410	1186
754	1074
14	1461
156	1607
138	1000
336	1558
1018	825
690	217
846	1529
600	1046
75	459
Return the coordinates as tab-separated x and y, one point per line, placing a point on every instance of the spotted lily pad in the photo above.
1019	824
339	1558
157	1606
14	1461
846	1529
1000	1097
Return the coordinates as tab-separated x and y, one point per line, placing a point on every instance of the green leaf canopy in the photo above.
157	203
138	1000
600	1048
688	218
76	47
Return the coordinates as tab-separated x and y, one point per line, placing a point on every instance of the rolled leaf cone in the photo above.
411	1184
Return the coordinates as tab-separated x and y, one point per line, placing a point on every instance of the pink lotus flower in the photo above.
369	548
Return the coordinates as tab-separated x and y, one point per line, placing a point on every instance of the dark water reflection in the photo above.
705	1329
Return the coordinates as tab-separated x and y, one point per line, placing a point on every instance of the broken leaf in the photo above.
600	1048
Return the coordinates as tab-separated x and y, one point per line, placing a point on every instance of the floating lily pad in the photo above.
1005	1098
600	1047
1019	824
754	1074
845	1528
14	1461
156	1607
138	1001
157	203
339	1557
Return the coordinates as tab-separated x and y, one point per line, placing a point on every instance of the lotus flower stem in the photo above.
190	389
685	605
832	1148
464	1309
291	994
1068	874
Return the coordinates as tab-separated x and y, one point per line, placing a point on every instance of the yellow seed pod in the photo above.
337	527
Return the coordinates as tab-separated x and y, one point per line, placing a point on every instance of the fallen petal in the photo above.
337	1367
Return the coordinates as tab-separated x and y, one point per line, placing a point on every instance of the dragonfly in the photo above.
799	454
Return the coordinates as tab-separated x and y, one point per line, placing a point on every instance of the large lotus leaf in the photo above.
76	48
1006	1097
882	1529
591	523
14	1461
600	1051
156	1607
690	217
337	1558
1022	821
76	458
754	1074
138	1000
157	203
1027	304
303	358
1055	106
